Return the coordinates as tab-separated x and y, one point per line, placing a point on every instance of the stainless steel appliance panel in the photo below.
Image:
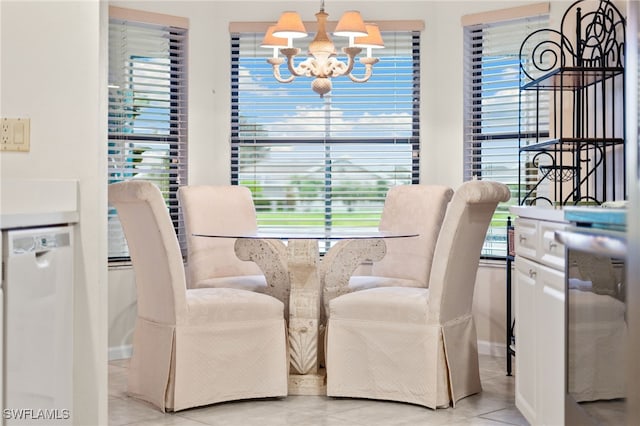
596	327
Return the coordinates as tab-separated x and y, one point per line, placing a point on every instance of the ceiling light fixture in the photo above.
322	63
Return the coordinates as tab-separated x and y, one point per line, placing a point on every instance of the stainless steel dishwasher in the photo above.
596	316
38	328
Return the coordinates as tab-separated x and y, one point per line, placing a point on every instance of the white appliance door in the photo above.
38	329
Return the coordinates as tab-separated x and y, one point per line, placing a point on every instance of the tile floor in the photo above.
494	406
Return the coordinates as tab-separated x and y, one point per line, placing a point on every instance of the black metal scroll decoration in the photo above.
588	154
599	35
545	162
545	56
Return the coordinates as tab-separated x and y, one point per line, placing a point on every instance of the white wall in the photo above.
53	71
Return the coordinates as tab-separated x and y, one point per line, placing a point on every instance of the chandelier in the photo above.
322	63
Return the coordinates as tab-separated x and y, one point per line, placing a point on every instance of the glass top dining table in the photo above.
311	281
295	233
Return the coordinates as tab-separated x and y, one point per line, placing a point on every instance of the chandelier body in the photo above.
322	63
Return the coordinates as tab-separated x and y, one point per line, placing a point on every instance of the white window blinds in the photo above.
325	162
491	126
147	130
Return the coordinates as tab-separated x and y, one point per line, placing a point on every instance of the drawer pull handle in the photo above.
552	245
532	273
522	238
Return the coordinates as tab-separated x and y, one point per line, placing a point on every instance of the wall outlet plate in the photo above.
15	134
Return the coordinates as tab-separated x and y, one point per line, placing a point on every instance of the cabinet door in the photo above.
550	346
525	331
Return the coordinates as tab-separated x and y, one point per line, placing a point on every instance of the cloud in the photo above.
257	84
312	122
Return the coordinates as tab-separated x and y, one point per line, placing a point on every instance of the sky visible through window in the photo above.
499	116
379	108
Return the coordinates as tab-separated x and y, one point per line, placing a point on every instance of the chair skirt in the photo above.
381	346
179	367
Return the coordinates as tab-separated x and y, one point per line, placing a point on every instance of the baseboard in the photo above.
492	348
120	352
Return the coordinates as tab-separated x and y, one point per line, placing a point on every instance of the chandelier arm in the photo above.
351	53
368	70
275	63
290	53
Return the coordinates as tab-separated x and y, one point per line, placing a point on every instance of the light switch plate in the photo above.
15	134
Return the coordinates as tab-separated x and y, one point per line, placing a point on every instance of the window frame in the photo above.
238	142
477	111
171	132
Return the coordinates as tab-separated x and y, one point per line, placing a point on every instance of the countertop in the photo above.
553	214
30	220
597	217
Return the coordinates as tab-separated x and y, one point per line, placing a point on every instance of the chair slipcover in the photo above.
193	347
417	345
407	263
212	262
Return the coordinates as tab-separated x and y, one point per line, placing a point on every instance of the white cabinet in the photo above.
550	347
525	331
539	312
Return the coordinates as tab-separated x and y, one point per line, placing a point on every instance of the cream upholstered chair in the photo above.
212	262
193	347
407	208
417	345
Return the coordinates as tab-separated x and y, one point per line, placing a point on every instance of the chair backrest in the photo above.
216	209
457	254
412	208
154	250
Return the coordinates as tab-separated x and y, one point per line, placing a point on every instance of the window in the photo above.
325	162
147	129
492	107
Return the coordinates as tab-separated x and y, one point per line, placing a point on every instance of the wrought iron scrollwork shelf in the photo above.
581	65
557	173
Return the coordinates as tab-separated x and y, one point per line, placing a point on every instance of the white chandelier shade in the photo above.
322	64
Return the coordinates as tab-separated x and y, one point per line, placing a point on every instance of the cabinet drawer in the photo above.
550	251
526	237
